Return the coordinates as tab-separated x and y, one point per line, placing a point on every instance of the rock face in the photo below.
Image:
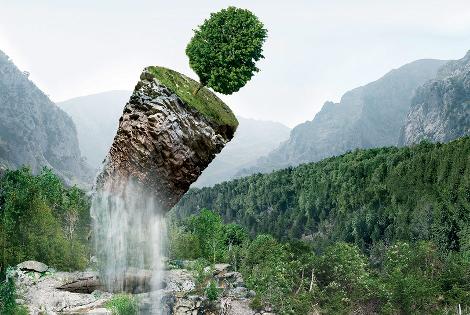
32	265
366	117
162	143
54	292
34	131
440	109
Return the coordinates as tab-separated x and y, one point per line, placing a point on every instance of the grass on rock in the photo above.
205	101
123	304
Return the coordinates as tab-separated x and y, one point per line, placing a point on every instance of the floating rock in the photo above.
32	265
163	143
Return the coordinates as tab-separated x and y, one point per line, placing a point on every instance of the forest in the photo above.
373	231
368	198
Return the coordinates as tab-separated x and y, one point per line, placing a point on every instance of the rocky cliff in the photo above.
440	109
34	131
366	117
166	136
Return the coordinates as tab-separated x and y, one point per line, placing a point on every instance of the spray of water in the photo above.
129	233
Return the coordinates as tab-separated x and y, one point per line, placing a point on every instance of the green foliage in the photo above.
363	197
205	102
123	304
208	229
7	297
389	228
225	48
212	292
42	220
182	244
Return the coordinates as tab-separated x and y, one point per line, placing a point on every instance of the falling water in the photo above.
129	230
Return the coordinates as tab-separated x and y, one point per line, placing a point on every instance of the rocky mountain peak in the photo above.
34	132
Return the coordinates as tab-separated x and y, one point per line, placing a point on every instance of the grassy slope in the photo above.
205	102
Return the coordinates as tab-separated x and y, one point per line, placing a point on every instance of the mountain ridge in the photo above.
34	132
367	116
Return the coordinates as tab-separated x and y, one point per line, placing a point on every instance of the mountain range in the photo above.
34	132
423	100
366	117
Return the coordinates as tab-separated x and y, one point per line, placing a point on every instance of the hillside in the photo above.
34	131
440	109
253	139
366	117
96	117
366	196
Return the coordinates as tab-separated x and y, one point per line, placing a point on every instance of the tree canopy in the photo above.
224	49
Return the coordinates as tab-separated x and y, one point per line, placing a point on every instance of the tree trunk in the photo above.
312	280
198	88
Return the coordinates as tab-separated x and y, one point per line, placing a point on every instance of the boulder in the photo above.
32	265
164	142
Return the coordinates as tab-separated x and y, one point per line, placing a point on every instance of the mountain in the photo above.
365	196
96	117
440	109
366	117
34	131
253	139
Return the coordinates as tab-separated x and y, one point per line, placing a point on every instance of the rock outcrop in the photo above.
34	132
366	117
53	292
440	109
162	142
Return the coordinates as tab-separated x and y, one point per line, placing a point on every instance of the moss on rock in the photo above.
205	101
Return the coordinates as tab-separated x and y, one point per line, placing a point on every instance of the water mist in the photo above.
129	233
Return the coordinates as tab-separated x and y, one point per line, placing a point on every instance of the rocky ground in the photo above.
46	291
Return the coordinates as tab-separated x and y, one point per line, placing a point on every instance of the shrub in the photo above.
123	304
212	292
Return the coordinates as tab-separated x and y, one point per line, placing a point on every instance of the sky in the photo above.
315	51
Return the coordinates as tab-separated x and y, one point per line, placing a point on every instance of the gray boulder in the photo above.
32	265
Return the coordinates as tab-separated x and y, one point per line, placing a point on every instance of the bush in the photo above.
7	297
212	292
123	304
42	220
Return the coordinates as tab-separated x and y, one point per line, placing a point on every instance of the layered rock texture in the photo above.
166	136
34	132
366	117
440	109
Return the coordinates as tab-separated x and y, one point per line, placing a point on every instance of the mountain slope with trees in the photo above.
364	197
34	131
366	117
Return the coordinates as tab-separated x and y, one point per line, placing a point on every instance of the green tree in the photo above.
225	48
208	228
42	220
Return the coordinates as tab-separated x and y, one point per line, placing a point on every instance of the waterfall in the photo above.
129	233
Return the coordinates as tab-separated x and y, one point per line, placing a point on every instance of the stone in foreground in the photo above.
32	265
166	136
